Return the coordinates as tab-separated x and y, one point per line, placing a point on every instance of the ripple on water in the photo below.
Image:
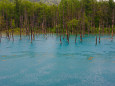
47	63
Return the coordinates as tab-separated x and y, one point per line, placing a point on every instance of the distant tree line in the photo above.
68	16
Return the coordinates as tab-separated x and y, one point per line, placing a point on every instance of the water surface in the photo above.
46	62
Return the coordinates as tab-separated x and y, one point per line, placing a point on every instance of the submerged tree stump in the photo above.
60	39
68	37
96	40
99	38
0	36
75	38
81	37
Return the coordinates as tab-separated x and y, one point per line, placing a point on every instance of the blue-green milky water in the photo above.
46	62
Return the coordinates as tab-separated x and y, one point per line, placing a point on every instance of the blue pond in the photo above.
46	62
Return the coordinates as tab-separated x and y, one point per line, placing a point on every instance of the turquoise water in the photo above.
46	62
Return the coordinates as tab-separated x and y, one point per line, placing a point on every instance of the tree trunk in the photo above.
20	27
75	37
112	22
12	29
83	23
63	23
99	32
0	36
68	37
25	21
60	39
31	35
96	39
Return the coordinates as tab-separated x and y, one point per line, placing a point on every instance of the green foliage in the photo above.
13	23
81	14
73	22
2	23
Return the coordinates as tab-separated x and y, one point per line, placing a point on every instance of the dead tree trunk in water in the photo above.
7	30
63	23
80	32
75	37
31	35
28	30
88	29
99	38
56	20
43	22
83	23
112	22
68	37
103	27
96	39
0	36
43	27
99	32
33	27
80	37
60	39
21	20
25	21
12	29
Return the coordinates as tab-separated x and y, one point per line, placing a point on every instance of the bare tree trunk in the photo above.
75	37
81	31
28	31
96	39
103	27
63	23
99	32
0	36
43	26
107	26
31	30
31	35
80	37
13	34
66	29
7	30
56	20
33	27
99	38
60	39
83	23
20	27
68	37
12	29
25	22
88	29
112	22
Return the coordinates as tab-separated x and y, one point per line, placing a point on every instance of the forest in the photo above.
57	42
66	17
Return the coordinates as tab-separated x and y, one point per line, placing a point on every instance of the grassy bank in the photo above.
70	31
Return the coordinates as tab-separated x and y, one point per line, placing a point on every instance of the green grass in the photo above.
53	30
